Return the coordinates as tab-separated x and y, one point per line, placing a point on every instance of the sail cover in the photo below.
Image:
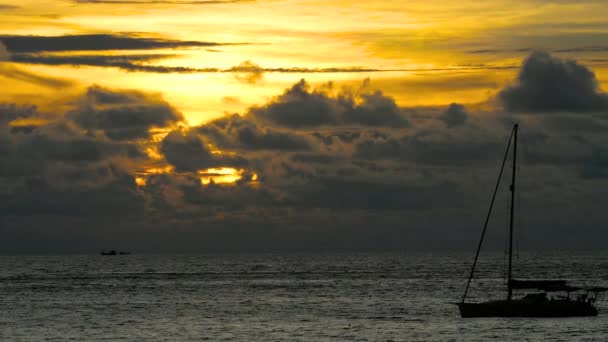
536	284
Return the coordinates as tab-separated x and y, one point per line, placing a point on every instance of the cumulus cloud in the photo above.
549	84
188	152
299	107
456	115
122	115
237	132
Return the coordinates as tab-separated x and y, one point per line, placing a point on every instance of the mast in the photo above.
485	226
509	287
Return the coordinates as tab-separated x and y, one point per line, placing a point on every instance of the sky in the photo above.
283	125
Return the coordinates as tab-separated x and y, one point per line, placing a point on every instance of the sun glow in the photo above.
141	181
225	175
220	175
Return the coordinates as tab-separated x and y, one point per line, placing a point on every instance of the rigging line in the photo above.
485	226
506	244
519	238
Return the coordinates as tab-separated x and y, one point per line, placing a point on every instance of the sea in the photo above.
280	297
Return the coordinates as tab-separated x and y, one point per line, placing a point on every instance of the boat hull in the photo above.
520	308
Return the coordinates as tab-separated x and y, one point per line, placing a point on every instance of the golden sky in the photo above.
419	52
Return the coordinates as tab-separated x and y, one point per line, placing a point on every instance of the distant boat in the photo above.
113	252
534	304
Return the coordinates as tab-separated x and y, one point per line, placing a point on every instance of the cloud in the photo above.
237	132
37	196
299	107
95	42
248	72
549	84
10	112
13	72
432	147
122	115
455	115
4	56
50	166
4	7
131	63
186	151
19	74
340	193
310	160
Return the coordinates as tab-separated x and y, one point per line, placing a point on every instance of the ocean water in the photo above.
362	297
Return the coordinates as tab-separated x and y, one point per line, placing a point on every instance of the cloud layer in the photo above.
334	164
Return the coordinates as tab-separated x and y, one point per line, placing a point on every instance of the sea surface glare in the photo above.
364	297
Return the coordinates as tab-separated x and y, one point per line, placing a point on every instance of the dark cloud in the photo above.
95	42
299	106
248	72
596	166
434	147
237	196
62	141
4	7
314	158
122	115
455	115
4	56
126	62
548	84
11	111
37	196
19	74
310	160
186	151
584	49
339	193
237	132
51	166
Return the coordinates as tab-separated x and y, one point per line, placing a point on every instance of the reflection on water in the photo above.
272	297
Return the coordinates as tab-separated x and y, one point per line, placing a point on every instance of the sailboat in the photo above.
534	304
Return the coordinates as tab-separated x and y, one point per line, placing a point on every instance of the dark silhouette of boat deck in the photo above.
114	252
